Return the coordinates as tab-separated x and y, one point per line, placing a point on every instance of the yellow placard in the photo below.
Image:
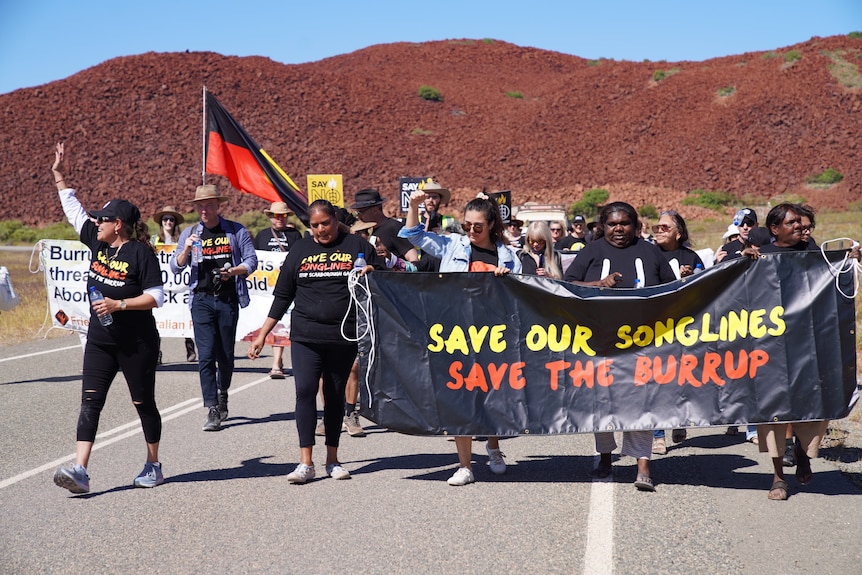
326	187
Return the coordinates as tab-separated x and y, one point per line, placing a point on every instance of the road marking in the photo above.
39	353
105	439
599	551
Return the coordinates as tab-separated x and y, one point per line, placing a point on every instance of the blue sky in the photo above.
46	40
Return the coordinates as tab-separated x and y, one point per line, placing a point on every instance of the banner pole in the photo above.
204	139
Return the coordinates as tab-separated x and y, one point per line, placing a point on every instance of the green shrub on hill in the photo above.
430	94
828	176
589	204
711	199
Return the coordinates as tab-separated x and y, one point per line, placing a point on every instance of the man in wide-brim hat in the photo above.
279	208
217	289
435	196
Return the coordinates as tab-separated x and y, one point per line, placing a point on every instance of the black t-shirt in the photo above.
733	249
800	247
683	256
428	263
387	232
270	240
482	260
217	252
599	259
570	243
121	273
314	278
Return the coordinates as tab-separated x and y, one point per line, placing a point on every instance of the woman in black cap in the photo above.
125	269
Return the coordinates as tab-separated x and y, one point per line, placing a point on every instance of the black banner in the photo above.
744	342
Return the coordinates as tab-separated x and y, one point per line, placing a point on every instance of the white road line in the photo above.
599	551
39	353
179	409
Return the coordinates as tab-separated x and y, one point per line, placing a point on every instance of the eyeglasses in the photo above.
169	219
477	228
663	228
807	228
106	219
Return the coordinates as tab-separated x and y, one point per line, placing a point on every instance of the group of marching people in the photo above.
618	253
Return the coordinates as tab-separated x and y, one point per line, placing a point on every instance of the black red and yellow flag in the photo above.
232	153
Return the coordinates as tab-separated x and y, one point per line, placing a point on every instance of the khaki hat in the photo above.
360	225
168	211
207	192
434	187
277	208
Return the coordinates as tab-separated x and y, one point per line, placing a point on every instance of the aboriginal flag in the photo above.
232	153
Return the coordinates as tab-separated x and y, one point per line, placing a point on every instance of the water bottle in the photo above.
360	262
96	295
698	269
197	252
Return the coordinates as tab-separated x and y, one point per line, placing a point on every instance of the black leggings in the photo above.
309	361
101	364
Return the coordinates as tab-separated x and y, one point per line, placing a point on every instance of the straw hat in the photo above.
360	225
434	187
168	211
207	192
277	208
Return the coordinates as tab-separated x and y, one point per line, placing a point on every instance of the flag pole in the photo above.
204	140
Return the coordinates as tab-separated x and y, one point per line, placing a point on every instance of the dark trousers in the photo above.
214	319
101	364
309	361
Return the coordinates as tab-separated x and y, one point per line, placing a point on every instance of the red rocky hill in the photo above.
133	125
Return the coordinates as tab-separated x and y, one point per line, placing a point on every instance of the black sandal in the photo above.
779	485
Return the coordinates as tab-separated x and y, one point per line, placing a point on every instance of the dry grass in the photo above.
23	323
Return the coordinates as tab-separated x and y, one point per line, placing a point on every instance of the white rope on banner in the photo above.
356	282
846	265
37	251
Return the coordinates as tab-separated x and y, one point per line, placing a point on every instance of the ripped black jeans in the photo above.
137	360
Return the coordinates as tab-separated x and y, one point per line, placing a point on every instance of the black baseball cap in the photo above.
118	210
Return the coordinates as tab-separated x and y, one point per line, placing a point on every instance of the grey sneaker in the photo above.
496	461
302	474
335	471
222	404
74	478
352	426
213	422
150	476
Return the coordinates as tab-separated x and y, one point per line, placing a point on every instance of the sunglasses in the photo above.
477	228
169	219
278	216
106	219
663	228
536	241
556	229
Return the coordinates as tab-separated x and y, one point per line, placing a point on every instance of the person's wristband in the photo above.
60	180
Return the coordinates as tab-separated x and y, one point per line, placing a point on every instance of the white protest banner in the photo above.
66	264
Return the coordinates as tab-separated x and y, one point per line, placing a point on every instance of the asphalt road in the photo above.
226	506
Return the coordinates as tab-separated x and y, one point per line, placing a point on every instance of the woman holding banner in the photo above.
784	223
125	269
482	250
314	277
617	257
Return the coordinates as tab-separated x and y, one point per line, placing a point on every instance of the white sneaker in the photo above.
335	471
462	476
301	474
496	461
